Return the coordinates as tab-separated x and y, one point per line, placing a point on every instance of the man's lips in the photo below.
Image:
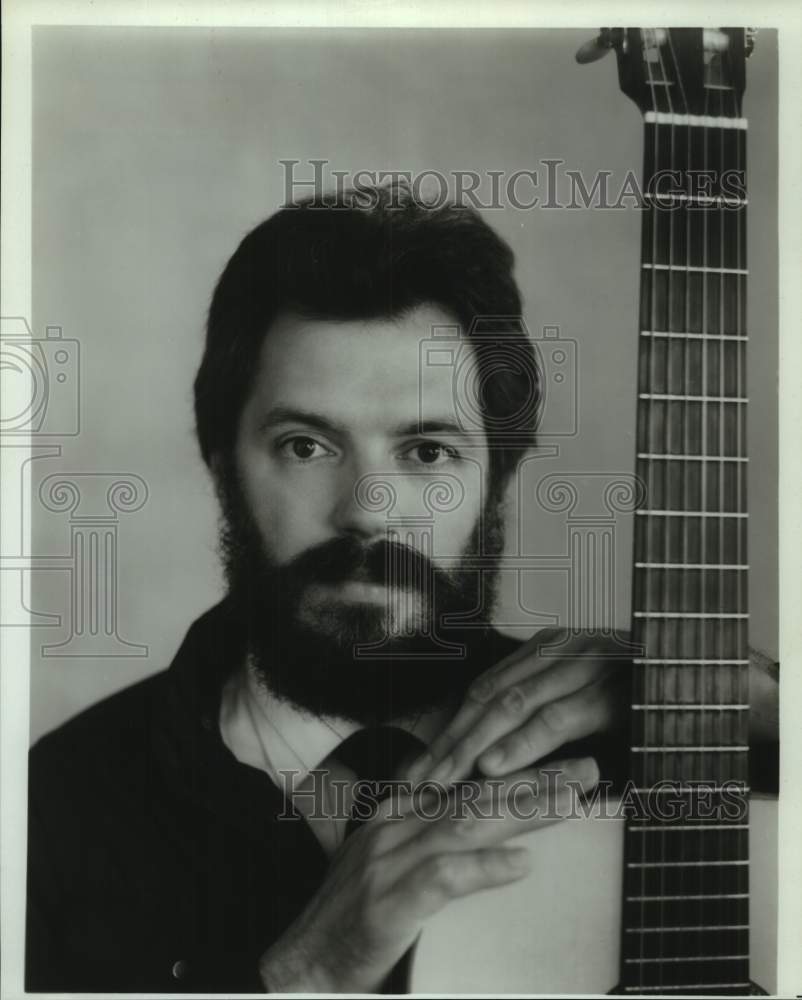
352	590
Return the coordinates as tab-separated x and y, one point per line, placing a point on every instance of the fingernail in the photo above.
519	859
492	759
587	771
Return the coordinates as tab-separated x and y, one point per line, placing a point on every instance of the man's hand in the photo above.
529	705
398	870
555	689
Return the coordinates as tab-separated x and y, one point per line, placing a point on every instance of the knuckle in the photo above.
520	745
482	690
555	718
512	702
443	874
465	825
491	861
371	878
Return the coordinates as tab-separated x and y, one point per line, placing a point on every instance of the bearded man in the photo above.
191	833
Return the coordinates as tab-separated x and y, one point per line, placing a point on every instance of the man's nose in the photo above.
365	498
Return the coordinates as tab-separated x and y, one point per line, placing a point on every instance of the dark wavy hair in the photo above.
371	253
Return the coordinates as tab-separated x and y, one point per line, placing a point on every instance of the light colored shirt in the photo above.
273	735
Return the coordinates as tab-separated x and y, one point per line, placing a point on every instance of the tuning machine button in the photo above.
608	38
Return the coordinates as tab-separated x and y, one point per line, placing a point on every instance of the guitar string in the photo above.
669	435
726	411
686	840
741	546
648	421
722	671
728	637
738	414
719	527
707	426
742	329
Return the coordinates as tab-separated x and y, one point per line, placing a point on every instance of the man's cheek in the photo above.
452	534
287	525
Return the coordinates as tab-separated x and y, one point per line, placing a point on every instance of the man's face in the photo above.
354	481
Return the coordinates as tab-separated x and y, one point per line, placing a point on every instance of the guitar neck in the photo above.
686	872
690	577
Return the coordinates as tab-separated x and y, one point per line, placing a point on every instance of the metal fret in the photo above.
690	708
691	458
650	659
695	268
692	513
669	749
704	895
651	565
699	199
687	958
685	864
664	827
653	790
679	930
688	614
688	986
675	335
670	396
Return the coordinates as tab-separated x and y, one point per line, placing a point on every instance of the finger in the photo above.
590	710
479	813
478	694
443	877
588	654
509	710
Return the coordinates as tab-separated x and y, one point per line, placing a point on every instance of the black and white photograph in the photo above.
399	550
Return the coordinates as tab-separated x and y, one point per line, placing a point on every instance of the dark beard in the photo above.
339	657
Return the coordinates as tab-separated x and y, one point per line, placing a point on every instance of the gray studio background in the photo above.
156	150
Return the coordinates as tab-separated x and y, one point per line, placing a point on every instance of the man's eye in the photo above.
302	448
432	453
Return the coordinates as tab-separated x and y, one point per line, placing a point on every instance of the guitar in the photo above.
642	904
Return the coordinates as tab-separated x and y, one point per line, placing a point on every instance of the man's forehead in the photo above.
353	369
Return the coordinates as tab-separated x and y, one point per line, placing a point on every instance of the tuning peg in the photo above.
596	48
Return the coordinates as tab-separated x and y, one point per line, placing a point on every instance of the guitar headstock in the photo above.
696	71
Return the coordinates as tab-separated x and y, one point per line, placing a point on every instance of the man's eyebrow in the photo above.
290	415
433	426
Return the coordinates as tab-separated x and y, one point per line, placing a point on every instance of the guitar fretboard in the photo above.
686	914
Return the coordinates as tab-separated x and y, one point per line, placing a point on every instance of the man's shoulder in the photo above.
113	729
122	725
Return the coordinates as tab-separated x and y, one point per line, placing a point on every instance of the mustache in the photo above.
346	559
